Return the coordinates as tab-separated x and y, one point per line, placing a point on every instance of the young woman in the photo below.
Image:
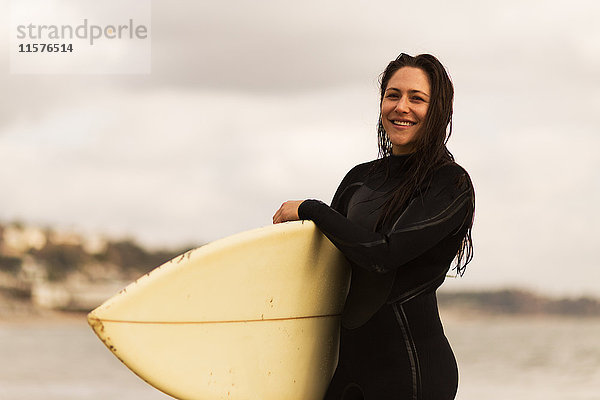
400	220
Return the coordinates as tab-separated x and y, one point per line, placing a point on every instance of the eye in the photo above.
417	98
392	96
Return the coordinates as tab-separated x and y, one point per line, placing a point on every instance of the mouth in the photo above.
398	122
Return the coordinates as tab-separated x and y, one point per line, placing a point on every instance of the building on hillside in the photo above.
17	240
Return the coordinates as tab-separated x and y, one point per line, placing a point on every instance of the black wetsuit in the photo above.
392	342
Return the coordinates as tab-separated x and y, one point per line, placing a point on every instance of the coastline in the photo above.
49	275
28	315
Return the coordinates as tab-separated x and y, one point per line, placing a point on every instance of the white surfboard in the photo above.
253	316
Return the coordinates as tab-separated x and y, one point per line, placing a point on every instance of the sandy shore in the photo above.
14	311
44	317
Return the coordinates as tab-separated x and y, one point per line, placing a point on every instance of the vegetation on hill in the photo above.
60	260
41	267
59	255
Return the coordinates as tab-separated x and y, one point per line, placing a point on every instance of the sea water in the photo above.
527	357
499	358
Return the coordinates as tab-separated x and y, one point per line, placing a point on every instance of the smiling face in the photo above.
404	108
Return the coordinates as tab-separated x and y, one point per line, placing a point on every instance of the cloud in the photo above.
281	47
173	166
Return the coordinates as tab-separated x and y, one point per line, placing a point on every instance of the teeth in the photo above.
403	123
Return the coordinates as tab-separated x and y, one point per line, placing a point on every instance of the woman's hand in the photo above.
287	212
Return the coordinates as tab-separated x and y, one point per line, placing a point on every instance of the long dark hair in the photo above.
430	147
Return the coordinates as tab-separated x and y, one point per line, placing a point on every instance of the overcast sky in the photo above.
251	103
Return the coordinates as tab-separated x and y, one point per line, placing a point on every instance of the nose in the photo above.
402	105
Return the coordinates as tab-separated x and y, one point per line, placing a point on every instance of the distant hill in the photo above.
41	267
44	268
517	301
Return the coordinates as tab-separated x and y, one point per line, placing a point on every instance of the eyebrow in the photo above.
412	91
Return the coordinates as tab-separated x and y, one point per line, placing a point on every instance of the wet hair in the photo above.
430	151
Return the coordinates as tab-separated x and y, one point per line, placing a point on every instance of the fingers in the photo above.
287	212
279	215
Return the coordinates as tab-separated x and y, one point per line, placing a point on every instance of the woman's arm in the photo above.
288	211
441	211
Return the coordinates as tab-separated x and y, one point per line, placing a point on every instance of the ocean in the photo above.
499	358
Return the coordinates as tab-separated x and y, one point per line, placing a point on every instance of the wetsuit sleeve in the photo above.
440	211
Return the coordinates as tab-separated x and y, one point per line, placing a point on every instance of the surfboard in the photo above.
255	315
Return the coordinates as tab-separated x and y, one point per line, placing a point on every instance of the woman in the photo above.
400	220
